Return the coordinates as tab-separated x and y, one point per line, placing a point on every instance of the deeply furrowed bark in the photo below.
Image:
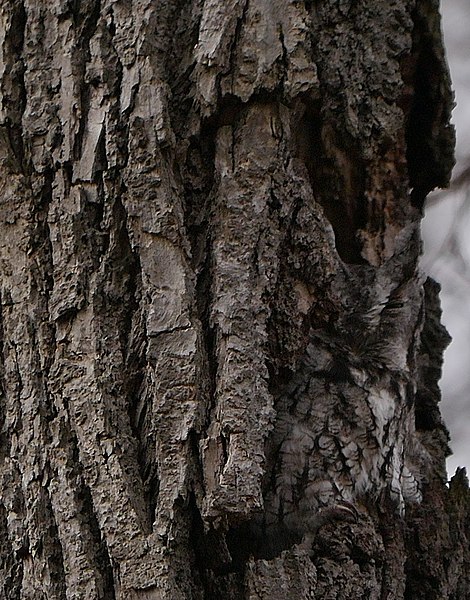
213	325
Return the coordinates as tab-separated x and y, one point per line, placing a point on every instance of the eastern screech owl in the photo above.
345	421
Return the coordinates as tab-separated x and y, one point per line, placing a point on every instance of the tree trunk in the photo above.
219	356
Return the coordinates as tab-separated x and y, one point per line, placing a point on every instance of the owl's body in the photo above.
345	421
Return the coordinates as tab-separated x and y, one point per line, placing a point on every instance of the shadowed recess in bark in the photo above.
101	558
430	139
42	280
14	102
140	407
47	546
208	544
440	532
121	306
182	34
5	439
219	558
11	568
337	178
261	542
434	340
198	181
85	15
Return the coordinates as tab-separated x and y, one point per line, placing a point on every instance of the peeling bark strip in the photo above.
219	363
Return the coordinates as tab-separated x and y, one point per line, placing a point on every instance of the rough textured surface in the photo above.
219	362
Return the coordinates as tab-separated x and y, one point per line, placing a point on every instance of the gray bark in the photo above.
219	358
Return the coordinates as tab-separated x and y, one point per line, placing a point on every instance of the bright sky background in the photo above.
446	232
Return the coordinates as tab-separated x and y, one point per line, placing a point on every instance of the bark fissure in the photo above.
85	18
337	178
14	95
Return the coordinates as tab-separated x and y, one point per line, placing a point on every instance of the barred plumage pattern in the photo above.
345	421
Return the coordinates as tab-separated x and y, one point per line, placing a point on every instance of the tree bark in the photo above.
219	358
